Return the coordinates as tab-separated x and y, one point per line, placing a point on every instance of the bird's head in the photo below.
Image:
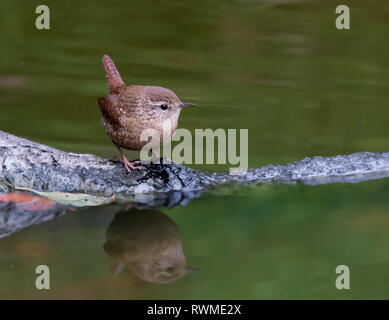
147	103
156	103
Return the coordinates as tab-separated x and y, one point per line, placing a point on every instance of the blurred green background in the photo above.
278	68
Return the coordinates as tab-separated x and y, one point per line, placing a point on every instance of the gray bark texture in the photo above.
28	164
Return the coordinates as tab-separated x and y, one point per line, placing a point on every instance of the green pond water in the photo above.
277	68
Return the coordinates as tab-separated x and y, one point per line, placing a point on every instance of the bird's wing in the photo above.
109	110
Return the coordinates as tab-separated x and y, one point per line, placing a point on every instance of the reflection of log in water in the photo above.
148	243
17	216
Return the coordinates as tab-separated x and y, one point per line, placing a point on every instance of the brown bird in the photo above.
129	110
148	243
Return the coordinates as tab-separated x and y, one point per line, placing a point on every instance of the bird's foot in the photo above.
131	165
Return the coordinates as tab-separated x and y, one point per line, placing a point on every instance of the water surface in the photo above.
278	68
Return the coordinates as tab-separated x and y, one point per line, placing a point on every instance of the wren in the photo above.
129	110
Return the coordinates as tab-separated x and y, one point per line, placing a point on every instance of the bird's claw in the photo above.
131	165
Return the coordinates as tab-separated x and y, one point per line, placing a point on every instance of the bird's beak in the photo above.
186	104
191	269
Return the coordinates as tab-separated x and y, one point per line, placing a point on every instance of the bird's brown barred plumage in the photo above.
127	111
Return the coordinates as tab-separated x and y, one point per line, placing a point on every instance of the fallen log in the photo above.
27	164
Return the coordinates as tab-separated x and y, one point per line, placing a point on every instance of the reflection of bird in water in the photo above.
148	242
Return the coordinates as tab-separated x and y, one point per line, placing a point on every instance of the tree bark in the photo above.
28	164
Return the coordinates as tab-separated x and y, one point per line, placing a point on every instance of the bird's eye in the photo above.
170	269
163	106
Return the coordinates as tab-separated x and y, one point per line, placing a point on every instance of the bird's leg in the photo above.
127	164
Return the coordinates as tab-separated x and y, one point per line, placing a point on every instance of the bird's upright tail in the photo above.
114	80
